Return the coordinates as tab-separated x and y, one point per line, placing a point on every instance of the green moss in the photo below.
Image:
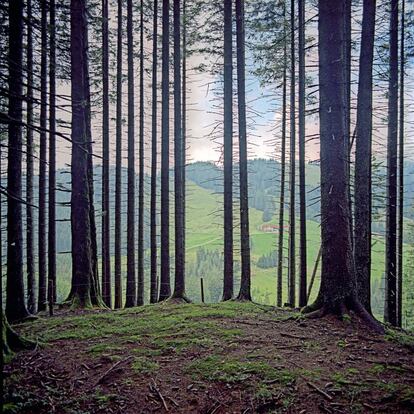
103	348
143	365
401	338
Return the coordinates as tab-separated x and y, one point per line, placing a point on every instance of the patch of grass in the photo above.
143	365
401	338
103	348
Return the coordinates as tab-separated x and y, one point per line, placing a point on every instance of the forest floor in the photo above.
223	358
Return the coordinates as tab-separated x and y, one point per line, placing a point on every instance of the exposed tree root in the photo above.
243	297
178	299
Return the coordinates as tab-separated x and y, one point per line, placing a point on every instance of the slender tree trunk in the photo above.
165	287
140	293
184	126
52	158
41	305
131	289
118	164
282	172
179	281
337	292
31	276
292	209
15	303
390	311
82	272
302	161
245	282
400	268
363	158
228	152
106	255
153	202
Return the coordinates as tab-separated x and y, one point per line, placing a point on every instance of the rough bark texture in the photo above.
15	303
337	292
30	260
245	282
153	201
118	164
131	289
184	124
42	242
228	153
390	309
106	255
302	161
165	287
363	154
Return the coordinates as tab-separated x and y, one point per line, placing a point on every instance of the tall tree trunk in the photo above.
228	153
184	125
179	281
31	276
153	201
15	303
118	164
302	138
131	289
52	157
106	255
41	303
165	288
400	268
282	172
245	282
292	209
140	292
390	310
337	292
82	271
363	158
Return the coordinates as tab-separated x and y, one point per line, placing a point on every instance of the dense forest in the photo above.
207	206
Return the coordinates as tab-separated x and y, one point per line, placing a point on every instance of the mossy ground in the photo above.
221	358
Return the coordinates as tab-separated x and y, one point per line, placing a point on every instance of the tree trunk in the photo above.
245	282
390	310
106	255
228	152
165	288
153	202
41	303
184	126
363	146
302	161
140	292
131	289
118	164
292	209
15	303
52	158
337	292
400	269
31	273
282	172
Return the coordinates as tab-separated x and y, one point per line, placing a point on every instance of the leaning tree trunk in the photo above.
390	310
106	255
118	165
41	302
165	288
302	137
363	158
31	277
228	153
245	282
140	291
131	289
337	294
292	209
153	201
15	303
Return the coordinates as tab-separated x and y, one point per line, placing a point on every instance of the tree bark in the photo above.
390	310
228	153
245	282
15	304
165	287
363	158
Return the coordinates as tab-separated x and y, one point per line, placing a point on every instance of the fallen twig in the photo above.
157	390
322	392
102	377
